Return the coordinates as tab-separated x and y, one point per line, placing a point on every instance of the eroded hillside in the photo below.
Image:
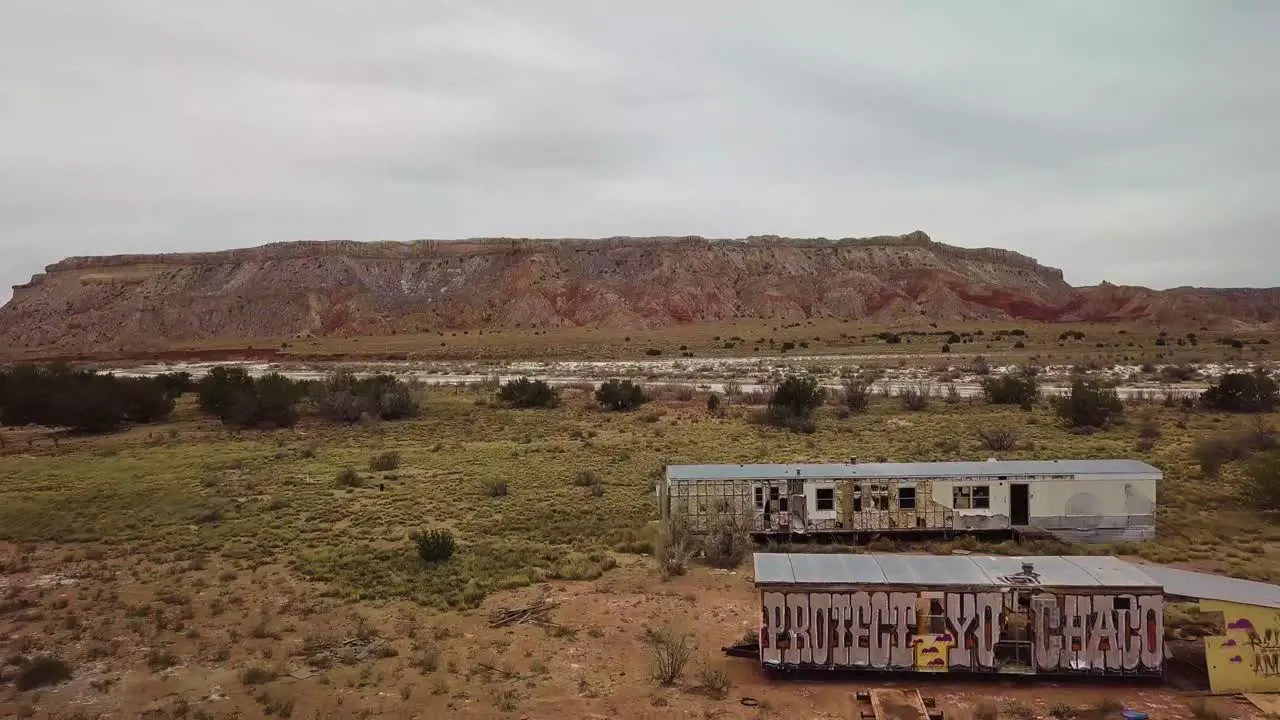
284	290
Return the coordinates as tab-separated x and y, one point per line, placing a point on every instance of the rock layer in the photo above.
291	289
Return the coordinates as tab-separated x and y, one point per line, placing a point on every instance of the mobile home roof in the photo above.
996	468
933	570
783	569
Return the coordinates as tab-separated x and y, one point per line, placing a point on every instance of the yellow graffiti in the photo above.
932	652
1246	657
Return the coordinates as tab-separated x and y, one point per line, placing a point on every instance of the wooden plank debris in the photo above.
536	613
1269	704
898	704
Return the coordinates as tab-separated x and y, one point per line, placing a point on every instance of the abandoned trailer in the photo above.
959	613
1077	500
1043	615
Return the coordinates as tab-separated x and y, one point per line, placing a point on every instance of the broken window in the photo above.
936	621
826	498
971	497
878	497
981	497
907	498
779	501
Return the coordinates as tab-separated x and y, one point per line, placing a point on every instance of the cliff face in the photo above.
347	288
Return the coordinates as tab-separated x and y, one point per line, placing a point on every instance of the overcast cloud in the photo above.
1135	141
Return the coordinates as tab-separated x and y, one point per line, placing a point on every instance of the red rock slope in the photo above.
342	288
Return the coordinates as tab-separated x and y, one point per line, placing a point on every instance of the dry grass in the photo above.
198	549
671	653
1102	343
208	491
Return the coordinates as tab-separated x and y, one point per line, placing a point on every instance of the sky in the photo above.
1136	142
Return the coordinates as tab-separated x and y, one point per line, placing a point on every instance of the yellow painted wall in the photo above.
1247	657
929	649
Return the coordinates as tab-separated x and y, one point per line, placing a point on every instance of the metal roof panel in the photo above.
773	568
1204	586
931	570
1112	571
840	568
911	470
1053	571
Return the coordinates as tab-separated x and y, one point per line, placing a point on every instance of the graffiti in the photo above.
1266	647
1245	658
1100	632
965	631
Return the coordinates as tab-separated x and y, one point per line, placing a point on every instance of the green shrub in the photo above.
1241	392
525	393
1011	389
1212	452
671	653
856	395
216	391
1149	428
796	397
495	488
384	461
433	546
916	397
345	398
714	681
40	671
1089	405
1262	474
348	477
83	401
715	407
998	437
673	547
585	478
239	400
728	539
620	395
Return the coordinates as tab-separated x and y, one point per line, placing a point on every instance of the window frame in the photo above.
971	497
912	490
779	498
829	500
984	496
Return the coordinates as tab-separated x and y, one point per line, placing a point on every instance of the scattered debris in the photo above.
346	652
535	613
500	671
